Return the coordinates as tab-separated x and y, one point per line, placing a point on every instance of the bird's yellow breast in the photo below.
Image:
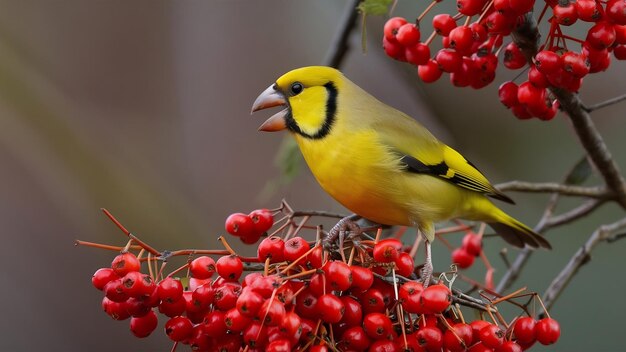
368	179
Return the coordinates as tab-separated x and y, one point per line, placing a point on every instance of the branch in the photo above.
339	45
605	103
576	213
580	258
548	187
526	37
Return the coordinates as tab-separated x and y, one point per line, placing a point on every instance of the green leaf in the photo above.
579	173
374	7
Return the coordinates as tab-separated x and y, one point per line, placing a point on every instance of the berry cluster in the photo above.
470	50
249	228
359	293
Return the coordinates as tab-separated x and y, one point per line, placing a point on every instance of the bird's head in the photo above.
309	98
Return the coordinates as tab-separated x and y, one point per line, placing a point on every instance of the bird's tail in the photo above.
515	232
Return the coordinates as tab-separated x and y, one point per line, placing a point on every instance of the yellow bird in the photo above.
380	163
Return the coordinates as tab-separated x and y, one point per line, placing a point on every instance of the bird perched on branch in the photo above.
380	163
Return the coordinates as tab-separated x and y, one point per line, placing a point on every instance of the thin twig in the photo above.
574	214
550	187
605	103
580	258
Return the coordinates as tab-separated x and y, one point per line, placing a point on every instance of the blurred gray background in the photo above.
143	107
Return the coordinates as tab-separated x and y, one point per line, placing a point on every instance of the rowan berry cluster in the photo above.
470	49
359	293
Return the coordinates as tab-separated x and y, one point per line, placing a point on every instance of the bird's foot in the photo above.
343	227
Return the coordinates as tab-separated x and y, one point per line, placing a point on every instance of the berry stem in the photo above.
467	21
300	274
400	313
104	246
453	229
428	8
226	245
485	10
543	12
430	38
297	261
542	305
185	266
130	235
509	296
379	232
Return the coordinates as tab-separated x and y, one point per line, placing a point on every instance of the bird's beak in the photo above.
269	99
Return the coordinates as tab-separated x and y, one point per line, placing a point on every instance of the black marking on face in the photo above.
330	112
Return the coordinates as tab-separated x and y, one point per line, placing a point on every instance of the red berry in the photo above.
470	7
272	312
509	346
255	334
443	23
429	72
508	94
616	11
170	289
547	331
491	336
409	295
239	224
521	6
229	267
355	339
114	290
387	250
272	247
295	248
382	346
461	38
338	275
353	312
116	310
575	64
408	34
394	50
460	340
203	296
417	54
476	326
249	302
330	308
430	338
174	308
473	243
513	57
102	277
391	27
305	304
537	78
143	326
547	61
124	263
436	298
178	328
524	330
362	278
372	301
136	284
214	323
404	264
226	296
565	13
531	96
235	321
262	219
601	36
448	60
620	52
521	112
587	10
462	258
377	326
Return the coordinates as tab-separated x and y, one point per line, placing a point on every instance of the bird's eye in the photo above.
296	88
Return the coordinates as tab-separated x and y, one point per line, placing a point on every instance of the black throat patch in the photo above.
331	112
